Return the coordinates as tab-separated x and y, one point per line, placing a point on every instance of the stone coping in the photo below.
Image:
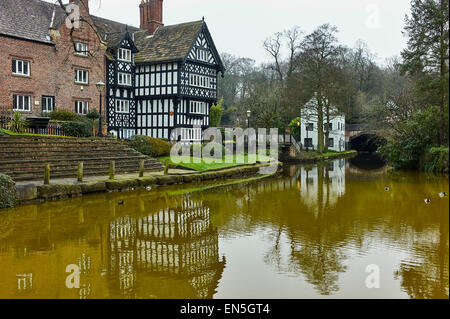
33	192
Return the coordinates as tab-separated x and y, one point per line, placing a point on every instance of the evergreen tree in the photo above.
427	55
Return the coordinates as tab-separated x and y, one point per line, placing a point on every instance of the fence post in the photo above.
47	174
112	170
141	168
80	171
166	167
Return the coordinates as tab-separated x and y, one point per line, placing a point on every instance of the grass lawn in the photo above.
8	132
328	154
200	165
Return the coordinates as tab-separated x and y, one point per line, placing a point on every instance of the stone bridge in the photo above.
362	138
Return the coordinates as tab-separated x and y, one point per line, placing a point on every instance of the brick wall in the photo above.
52	70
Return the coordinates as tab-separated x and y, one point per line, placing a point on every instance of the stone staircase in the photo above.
24	158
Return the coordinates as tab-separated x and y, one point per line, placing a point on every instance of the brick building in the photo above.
157	77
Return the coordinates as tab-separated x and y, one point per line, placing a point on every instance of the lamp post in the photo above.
299	133
100	87
249	113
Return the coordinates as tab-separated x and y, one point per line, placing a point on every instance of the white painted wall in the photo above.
337	133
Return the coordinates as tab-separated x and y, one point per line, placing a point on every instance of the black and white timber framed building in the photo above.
156	83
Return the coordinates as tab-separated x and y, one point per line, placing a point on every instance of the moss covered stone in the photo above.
147	181
58	191
7	191
93	187
121	184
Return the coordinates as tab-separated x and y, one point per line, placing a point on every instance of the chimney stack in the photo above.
151	15
86	4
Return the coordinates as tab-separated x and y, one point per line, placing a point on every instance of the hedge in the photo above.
150	146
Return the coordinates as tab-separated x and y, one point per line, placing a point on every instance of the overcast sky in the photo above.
240	26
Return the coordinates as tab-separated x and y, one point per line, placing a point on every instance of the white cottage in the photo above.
309	128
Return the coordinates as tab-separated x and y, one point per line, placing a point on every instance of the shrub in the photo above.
436	160
17	123
62	115
93	115
150	146
77	129
7	191
407	145
216	113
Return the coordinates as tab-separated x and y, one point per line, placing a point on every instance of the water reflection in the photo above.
138	250
309	233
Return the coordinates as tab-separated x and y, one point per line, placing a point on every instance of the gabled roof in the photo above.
112	32
33	19
171	43
28	19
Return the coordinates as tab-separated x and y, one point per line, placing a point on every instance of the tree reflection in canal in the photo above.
309	233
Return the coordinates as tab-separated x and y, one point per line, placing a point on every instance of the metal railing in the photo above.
51	129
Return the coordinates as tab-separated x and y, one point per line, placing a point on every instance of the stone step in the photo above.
57	155
72	160
25	176
27	139
56	146
24	158
71	170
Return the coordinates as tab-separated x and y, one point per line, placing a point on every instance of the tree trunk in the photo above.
319	125
443	71
327	130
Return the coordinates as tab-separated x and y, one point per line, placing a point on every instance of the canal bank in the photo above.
315	157
35	192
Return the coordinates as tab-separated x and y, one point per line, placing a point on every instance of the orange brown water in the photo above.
310	233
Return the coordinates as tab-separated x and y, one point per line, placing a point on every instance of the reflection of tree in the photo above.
177	242
428	279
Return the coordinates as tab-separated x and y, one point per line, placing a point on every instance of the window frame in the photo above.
331	142
124	76
120	55
308	139
77	73
83	103
15	67
124	108
15	103
46	98
84	52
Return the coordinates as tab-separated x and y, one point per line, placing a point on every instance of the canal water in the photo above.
347	229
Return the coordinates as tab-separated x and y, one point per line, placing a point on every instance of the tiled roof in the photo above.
32	20
114	31
169	43
27	19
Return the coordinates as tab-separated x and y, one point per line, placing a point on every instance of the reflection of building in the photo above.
146	248
309	129
177	243
323	184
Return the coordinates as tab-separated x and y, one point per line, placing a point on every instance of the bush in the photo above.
409	142
17	124
150	146
93	115
436	160
215	114
62	115
7	191
77	129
